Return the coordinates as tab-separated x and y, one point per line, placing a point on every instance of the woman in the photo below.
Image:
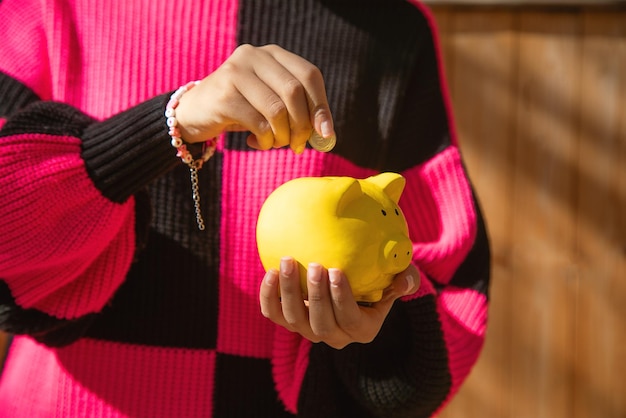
131	278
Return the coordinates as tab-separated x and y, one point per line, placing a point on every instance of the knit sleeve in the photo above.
64	247
72	189
72	192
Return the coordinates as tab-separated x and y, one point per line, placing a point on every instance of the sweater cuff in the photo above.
126	152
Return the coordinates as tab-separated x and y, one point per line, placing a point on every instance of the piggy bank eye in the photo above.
383	212
397	213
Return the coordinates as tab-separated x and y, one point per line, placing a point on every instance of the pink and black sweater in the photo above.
121	307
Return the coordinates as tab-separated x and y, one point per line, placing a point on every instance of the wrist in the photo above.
176	130
181	148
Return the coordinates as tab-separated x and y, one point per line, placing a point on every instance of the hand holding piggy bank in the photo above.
342	222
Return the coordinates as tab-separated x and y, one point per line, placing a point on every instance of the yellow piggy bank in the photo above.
351	224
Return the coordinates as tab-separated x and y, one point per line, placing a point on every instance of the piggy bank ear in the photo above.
346	190
391	183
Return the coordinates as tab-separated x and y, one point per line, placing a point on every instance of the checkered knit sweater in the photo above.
121	307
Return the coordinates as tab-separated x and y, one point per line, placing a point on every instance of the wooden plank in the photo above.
543	327
554	195
443	19
4	341
483	47
601	224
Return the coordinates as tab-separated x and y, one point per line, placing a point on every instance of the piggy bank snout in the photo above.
397	252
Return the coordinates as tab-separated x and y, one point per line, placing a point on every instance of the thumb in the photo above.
404	283
407	282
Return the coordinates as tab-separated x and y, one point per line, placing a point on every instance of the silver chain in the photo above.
195	194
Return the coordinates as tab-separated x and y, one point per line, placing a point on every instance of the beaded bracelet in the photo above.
208	148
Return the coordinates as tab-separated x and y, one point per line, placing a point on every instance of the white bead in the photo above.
170	112
176	142
187	158
171	121
179	93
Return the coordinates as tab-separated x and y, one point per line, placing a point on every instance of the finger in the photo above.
361	323
405	283
270	299
292	301
266	116
347	312
321	316
285	105
311	78
294	98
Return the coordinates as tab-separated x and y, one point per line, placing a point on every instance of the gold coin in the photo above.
320	143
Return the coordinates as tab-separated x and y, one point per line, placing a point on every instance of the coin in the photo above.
320	143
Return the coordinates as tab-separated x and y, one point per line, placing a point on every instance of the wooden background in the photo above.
540	102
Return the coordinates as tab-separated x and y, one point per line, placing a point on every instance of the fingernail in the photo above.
270	277
410	282
300	149
286	265
334	276
326	129
314	273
